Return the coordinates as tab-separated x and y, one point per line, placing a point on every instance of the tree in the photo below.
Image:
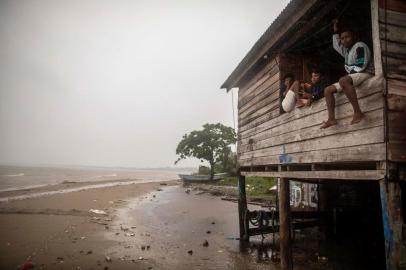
211	144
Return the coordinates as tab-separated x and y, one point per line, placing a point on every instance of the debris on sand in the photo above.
208	232
187	191
97	211
213	222
163	184
123	228
205	243
190	252
27	265
108	259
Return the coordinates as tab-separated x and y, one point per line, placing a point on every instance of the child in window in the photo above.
301	94
359	66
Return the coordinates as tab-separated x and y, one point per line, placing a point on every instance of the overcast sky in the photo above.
117	83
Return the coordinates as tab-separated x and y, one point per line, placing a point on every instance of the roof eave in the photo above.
286	19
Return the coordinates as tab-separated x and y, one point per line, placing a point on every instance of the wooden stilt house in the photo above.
291	145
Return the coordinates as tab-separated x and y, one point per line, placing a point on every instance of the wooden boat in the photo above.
201	178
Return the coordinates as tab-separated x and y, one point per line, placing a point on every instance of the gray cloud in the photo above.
117	83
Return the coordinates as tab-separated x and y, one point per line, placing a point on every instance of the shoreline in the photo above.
67	187
58	229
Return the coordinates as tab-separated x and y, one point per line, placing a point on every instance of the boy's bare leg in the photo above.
331	104
349	90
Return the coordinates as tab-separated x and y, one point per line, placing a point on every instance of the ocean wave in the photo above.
107	175
14	175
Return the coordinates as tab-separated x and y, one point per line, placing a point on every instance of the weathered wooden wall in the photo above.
268	137
392	26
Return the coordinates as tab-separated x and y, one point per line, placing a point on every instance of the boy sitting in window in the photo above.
301	94
359	67
315	89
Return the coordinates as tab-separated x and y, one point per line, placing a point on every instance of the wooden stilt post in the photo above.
392	224
284	229
242	206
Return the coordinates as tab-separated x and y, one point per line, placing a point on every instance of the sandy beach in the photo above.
145	226
58	231
154	225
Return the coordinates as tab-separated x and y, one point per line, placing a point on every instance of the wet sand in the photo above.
146	226
175	226
59	232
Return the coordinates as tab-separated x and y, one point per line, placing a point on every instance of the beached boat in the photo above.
201	178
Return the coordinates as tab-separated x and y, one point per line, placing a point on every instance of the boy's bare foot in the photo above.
357	118
328	124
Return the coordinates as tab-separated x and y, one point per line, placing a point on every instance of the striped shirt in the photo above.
357	58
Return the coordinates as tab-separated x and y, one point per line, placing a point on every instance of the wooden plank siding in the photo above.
260	99
296	135
392	24
332	174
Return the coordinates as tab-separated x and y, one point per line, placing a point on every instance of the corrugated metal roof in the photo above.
289	15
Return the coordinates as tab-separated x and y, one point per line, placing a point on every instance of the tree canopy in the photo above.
212	144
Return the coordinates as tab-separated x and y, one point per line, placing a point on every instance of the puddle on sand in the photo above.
163	226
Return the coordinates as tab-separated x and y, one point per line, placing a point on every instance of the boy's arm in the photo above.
336	39
337	46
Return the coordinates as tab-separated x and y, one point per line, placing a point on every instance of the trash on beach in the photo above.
140	258
208	232
232	238
108	259
97	211
158	189
190	252
163	184
205	243
27	265
83	237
